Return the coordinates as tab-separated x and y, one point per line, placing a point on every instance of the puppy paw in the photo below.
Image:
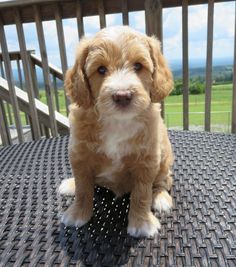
147	228
67	187
69	220
162	202
72	217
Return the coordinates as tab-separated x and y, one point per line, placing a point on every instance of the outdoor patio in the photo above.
201	228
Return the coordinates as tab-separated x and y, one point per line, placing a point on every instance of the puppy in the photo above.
118	139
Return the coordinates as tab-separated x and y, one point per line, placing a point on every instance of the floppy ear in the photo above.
162	76
76	83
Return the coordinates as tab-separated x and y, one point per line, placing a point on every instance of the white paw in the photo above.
69	220
147	229
162	202
67	187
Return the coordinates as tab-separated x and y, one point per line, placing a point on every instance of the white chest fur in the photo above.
115	137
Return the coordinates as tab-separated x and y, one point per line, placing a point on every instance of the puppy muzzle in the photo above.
122	98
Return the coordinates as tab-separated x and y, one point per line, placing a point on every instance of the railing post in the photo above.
125	13
233	122
36	89
79	16
21	83
101	12
19	74
185	65
4	130
10	80
153	19
46	71
56	93
28	78
34	76
62	48
210	21
8	106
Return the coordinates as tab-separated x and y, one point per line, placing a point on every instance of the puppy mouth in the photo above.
123	106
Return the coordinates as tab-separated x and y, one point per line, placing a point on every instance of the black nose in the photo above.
122	98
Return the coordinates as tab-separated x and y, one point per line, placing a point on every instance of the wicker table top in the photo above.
200	231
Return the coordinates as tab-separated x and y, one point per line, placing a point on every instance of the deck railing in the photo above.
23	100
25	11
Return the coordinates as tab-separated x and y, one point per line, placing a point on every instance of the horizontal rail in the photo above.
15	55
69	8
53	69
42	109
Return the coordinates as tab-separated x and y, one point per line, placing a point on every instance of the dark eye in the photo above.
138	66
102	70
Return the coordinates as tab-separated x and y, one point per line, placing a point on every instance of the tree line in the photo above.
223	75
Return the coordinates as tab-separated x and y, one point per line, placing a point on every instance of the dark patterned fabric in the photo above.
200	230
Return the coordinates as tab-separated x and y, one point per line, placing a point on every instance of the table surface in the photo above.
200	230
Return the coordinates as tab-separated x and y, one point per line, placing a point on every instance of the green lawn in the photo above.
221	109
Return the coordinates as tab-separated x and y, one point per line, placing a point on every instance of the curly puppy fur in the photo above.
118	138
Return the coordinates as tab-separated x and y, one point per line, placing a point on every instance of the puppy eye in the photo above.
138	66
102	70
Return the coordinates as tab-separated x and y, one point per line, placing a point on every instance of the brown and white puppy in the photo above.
118	138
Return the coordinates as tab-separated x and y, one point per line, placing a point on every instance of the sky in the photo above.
223	45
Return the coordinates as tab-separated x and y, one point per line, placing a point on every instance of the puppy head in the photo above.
120	72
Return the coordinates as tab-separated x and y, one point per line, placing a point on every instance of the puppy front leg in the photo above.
81	210
142	222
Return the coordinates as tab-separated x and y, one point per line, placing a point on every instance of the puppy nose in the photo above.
122	98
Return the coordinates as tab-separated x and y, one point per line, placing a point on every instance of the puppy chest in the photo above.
109	173
116	138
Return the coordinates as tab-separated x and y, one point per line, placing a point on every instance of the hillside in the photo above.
222	71
219	73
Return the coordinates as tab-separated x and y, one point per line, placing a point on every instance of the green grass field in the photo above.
221	105
220	116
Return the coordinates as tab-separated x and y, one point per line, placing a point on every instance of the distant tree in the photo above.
196	88
178	88
199	79
224	75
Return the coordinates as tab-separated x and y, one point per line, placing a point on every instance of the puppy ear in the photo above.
76	83
162	76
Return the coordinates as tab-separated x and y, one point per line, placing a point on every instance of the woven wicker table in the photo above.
200	231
